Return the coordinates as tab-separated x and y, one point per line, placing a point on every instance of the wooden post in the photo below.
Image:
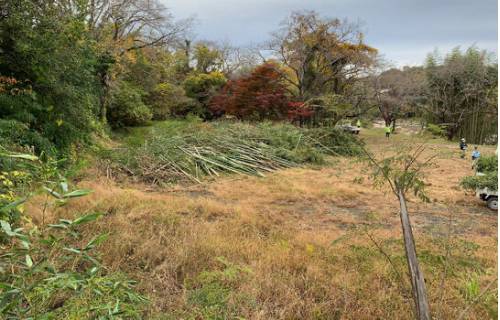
417	278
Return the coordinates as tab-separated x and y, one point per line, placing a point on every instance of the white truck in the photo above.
490	196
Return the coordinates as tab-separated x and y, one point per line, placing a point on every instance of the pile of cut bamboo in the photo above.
176	158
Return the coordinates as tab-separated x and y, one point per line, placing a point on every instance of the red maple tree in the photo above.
299	113
258	96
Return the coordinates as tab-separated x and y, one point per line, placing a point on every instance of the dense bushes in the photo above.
487	164
201	87
53	63
15	134
127	107
49	271
489	181
169	100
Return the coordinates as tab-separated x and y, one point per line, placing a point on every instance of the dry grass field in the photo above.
303	243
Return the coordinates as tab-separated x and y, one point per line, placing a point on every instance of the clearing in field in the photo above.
248	160
313	242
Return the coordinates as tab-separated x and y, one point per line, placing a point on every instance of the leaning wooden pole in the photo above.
417	278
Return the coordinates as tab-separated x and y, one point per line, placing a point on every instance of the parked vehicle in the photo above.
351	129
490	196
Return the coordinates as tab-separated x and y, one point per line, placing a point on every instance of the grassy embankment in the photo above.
301	243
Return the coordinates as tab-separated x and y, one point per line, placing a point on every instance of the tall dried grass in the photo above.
299	244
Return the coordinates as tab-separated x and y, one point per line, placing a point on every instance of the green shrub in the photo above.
48	276
47	271
53	87
19	175
487	164
489	180
201	87
14	133
170	100
127	108
436	130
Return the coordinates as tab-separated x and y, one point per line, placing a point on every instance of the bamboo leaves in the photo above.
201	151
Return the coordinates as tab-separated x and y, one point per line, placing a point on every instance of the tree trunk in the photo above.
417	278
384	112
103	100
103	107
451	132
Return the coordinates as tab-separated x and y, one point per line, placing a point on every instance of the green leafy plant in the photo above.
404	172
50	271
212	294
169	100
488	177
127	107
45	273
487	164
489	181
436	130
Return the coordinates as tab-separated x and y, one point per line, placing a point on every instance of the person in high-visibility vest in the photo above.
387	131
358	123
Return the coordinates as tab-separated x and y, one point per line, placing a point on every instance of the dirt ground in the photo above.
342	194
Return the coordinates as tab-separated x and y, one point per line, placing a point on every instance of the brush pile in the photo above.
199	150
192	157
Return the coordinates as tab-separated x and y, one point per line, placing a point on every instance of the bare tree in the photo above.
224	57
237	60
398	92
140	23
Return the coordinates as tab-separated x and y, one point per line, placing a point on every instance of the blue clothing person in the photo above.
475	156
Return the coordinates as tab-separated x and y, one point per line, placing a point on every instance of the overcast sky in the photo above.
404	31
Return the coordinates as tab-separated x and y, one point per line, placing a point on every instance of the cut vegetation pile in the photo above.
173	152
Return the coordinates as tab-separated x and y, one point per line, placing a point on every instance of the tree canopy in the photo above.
70	69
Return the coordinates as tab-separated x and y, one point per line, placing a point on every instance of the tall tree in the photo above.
207	58
50	50
258	96
323	55
398	92
461	93
122	26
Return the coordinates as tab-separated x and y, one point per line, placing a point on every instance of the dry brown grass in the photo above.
308	239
